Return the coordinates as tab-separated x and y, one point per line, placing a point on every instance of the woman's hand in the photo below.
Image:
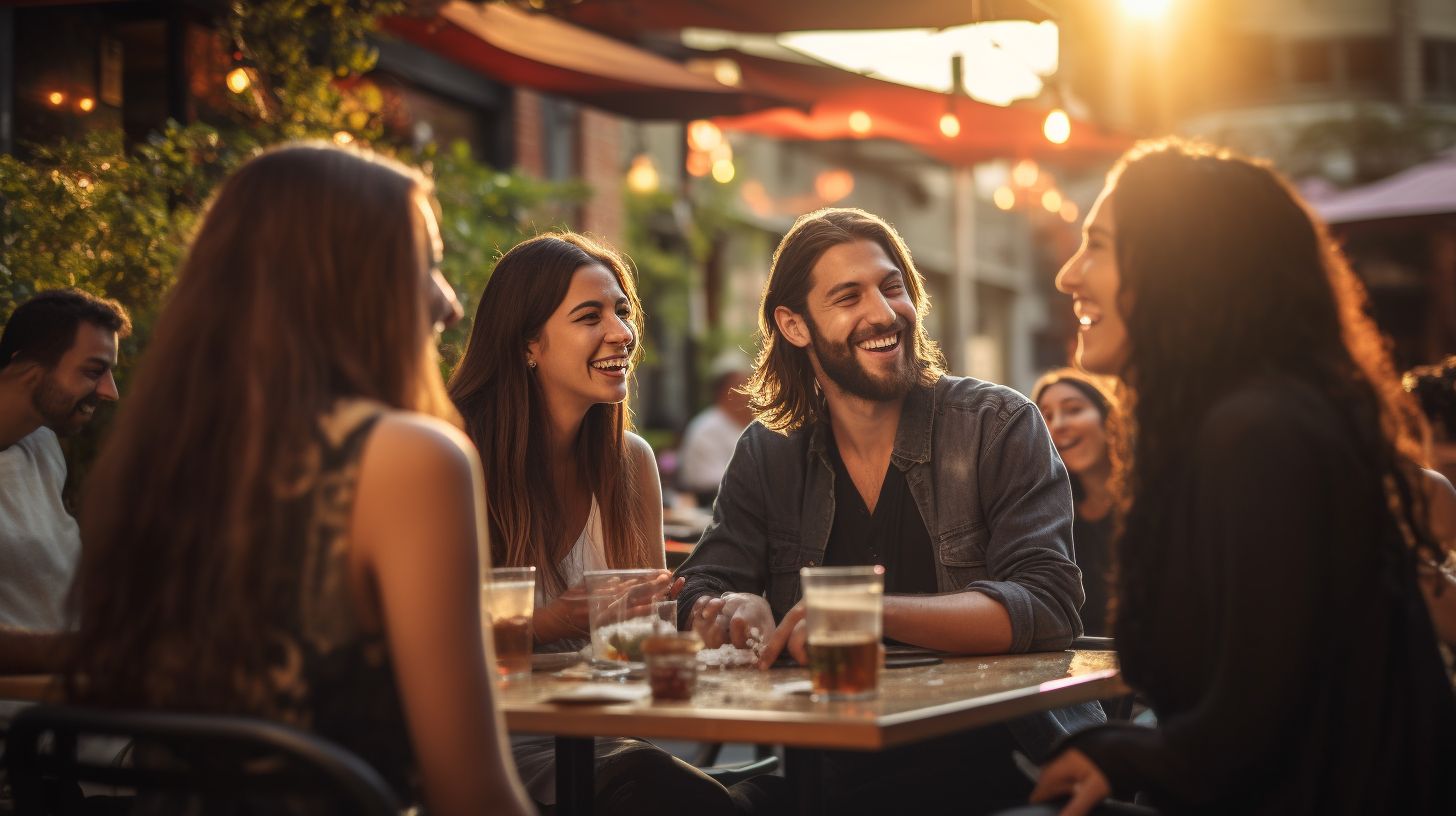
1072	774
565	617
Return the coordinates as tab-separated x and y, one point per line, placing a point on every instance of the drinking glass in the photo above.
509	601
844	617
621	610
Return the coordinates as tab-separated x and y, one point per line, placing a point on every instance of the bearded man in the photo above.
865	452
57	354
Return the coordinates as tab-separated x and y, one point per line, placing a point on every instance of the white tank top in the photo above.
588	553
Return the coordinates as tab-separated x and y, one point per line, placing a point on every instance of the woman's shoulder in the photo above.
406	441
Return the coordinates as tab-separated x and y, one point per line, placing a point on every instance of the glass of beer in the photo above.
844	619
621	611
510	600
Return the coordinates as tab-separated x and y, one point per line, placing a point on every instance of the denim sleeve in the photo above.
1027	501
732	555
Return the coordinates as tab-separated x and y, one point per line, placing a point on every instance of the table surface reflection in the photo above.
746	705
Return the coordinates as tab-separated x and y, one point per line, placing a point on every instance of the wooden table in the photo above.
744	705
33	688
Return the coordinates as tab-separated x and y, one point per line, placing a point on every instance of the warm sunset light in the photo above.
723	171
56	98
1004	197
1005	60
726	71
833	185
343	137
1146	9
704	135
950	125
1051	201
238	80
1058	127
86	104
642	176
860	123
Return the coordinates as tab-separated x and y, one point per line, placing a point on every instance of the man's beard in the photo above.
843	368
58	410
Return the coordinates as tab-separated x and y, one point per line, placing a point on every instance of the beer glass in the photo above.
621	612
510	600
844	620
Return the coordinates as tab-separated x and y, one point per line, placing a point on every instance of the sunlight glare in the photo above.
1004	60
1146	10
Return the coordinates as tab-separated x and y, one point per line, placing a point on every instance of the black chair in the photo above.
215	759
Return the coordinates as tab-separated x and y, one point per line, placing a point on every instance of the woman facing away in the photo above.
1268	605
285	523
1085	423
543	389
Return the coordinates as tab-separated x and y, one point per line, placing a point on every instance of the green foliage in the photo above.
1379	142
98	214
484	212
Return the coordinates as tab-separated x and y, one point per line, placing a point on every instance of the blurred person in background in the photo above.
711	436
1085	421
285	522
57	354
1267	598
543	388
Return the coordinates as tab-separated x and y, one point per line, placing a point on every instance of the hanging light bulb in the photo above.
1025	173
704	135
86	104
1004	197
56	98
642	175
1051	201
1058	126
238	80
950	125
723	171
860	123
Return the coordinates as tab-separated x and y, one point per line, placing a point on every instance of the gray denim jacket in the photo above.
988	483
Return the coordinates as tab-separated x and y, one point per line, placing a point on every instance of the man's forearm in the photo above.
959	622
26	652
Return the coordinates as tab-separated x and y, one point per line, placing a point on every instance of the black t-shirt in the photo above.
894	536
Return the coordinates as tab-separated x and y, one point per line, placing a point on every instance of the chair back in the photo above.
212	758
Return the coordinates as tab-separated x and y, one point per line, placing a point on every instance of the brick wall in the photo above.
602	167
530	149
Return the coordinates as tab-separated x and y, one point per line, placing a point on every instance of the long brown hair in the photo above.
1226	275
783	390
505	412
301	287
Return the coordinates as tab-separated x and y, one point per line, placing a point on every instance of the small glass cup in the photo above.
508	602
621	608
672	664
845	619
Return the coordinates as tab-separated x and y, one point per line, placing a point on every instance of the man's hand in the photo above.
1072	774
793	633
731	619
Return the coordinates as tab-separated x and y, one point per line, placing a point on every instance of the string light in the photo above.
238	80
1025	173
723	171
950	125
642	175
1058	126
343	137
1004	197
56	98
1051	200
86	104
860	123
704	135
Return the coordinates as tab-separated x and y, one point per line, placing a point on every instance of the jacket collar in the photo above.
912	435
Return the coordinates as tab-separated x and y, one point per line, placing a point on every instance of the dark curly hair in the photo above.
1226	275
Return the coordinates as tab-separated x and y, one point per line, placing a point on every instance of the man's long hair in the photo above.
1226	275
302	286
504	410
783	390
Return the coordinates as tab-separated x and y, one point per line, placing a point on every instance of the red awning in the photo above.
909	115
630	17
543	53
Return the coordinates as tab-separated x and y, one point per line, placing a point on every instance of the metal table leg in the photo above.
575	769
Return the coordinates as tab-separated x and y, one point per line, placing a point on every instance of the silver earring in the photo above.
531	363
